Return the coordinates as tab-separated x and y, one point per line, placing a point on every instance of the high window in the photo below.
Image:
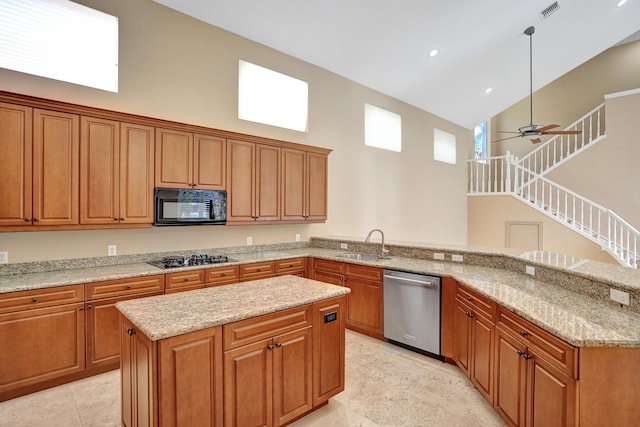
444	146
382	128
266	96
480	141
61	40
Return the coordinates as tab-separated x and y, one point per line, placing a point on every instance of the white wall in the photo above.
177	68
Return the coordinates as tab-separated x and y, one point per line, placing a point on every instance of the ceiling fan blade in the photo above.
536	140
563	132
504	139
507	131
546	128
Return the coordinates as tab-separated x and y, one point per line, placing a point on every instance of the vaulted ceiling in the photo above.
385	44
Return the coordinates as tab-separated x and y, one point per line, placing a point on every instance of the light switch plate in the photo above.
438	255
344	246
4	257
297	237
249	241
457	258
619	296
530	270
112	250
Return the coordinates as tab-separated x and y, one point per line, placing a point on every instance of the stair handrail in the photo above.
530	160
618	235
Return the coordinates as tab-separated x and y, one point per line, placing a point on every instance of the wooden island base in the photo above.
267	370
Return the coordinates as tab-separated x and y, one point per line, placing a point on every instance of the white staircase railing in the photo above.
561	147
596	222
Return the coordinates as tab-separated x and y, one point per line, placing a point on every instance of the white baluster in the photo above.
508	160
598	122
609	229
591	125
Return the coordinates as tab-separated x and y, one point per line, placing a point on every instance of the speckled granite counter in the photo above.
570	301
166	316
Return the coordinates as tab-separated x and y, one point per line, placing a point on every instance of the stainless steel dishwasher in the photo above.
412	311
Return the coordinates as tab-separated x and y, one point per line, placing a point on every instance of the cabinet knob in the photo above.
185	279
223	274
270	347
278	344
526	356
89	307
115	219
130	331
128	286
259	270
524	333
520	352
34	299
122	219
470	314
469	299
36	219
27	219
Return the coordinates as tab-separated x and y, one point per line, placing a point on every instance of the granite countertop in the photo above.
165	316
578	317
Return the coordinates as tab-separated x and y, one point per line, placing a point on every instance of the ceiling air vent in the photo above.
549	10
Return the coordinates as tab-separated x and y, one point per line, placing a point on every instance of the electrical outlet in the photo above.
111	250
4	257
457	258
297	237
249	241
344	246
619	296
530	270
438	255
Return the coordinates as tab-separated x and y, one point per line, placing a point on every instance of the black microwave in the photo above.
177	206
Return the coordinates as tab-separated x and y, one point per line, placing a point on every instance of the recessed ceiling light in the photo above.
487	90
621	2
434	52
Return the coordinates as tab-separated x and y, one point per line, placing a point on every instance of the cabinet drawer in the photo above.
551	348
290	265
184	278
222	274
38	298
363	272
120	287
256	270
257	328
327	265
479	303
183	289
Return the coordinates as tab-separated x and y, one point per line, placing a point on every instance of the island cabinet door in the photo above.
292	375
510	379
328	348
190	372
248	385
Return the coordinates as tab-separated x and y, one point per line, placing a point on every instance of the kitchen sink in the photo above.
356	255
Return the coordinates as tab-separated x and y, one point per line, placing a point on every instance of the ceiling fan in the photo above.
531	131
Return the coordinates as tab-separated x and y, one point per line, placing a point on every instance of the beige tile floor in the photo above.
385	386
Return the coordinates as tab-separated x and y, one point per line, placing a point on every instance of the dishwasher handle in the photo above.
413	281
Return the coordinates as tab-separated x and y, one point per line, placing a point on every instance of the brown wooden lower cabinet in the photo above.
265	367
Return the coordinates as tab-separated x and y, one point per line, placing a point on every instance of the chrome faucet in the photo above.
383	251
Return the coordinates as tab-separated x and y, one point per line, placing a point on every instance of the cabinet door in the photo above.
209	162
16	164
510	379
328	348
40	344
190	368
248	385
99	171
482	356
317	172
136	173
293	184
292	375
551	395
365	305
462	337
174	159
333	278
268	183
56	140
240	181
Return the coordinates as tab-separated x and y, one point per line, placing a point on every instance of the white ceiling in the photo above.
384	44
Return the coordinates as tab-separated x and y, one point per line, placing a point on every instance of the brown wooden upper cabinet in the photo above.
304	185
39	160
188	160
116	172
253	182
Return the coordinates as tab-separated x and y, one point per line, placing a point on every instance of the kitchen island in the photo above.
273	347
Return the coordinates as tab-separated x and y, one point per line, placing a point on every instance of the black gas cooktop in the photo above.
182	261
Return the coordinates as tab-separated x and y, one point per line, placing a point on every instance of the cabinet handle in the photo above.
27	219
526	356
115	219
34	299
270	347
223	274
121	219
258	270
469	299
471	315
81	308
520	352
128	286
278	344
36	219
524	333
89	307
186	279
130	331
